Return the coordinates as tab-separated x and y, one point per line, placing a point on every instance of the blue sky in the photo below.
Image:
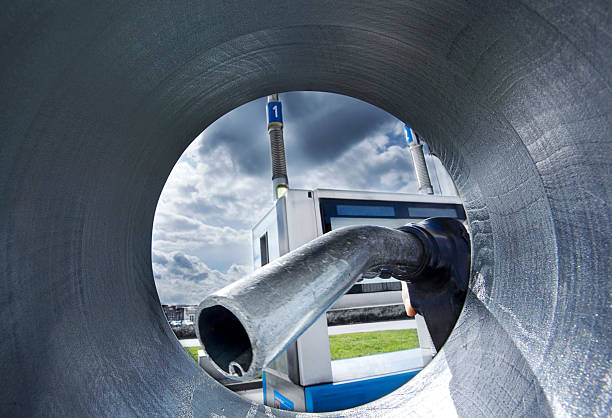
222	183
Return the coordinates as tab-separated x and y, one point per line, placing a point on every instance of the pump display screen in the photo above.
432	212
336	213
363	210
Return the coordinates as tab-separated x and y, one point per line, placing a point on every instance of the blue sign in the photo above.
275	112
280	402
409	134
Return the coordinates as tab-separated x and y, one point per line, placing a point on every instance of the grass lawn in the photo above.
193	352
365	343
360	343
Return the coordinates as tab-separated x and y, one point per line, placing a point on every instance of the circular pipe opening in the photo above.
381	137
225	340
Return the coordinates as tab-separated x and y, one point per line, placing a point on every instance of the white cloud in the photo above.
372	164
212	189
182	278
203	218
184	231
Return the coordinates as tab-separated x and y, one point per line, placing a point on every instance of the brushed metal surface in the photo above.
100	100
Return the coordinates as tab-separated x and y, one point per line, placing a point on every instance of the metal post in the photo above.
416	149
280	182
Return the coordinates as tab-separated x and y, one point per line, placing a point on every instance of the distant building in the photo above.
180	312
173	313
189	312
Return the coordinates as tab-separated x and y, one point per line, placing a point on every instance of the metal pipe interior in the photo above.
102	99
245	325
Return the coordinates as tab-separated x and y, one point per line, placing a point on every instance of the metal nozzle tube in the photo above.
245	325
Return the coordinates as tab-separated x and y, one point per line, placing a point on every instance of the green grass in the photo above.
360	344
193	352
365	343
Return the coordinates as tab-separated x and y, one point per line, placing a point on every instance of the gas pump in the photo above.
303	377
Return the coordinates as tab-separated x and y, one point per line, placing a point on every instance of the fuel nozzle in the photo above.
244	326
438	288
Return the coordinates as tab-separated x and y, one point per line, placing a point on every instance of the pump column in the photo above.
416	149
280	182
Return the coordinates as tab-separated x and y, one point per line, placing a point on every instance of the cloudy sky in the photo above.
222	184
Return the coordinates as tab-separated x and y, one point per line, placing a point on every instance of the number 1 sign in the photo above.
275	112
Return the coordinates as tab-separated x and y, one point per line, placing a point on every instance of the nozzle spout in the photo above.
245	325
